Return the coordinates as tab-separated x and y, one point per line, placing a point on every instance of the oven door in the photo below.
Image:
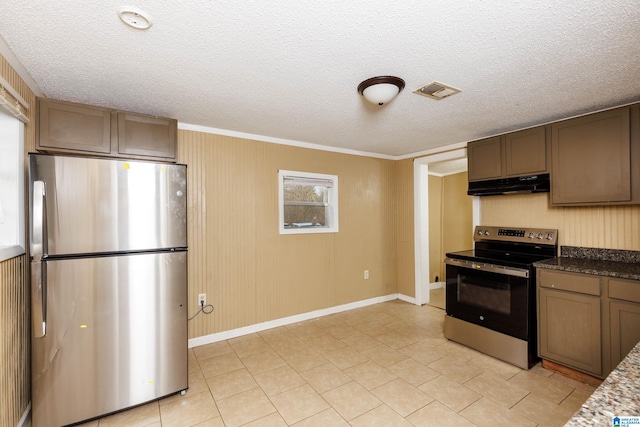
492	296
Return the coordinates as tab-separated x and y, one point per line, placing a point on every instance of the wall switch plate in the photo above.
366	274
202	300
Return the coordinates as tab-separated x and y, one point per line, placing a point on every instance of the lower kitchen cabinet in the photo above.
587	322
625	329
624	314
569	321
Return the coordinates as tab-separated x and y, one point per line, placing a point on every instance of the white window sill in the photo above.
8	252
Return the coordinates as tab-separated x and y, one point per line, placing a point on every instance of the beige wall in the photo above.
612	227
250	272
435	228
457	214
15	387
404	228
450	220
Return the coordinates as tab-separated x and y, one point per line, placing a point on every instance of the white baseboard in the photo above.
234	333
406	298
436	285
26	417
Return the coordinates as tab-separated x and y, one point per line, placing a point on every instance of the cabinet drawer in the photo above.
627	290
572	282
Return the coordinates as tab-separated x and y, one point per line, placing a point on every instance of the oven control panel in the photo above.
546	236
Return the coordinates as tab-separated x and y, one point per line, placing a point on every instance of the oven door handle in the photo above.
492	268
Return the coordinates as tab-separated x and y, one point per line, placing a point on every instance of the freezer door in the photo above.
116	336
88	205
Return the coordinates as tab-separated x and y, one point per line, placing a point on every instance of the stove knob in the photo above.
539	236
479	232
531	235
549	236
486	232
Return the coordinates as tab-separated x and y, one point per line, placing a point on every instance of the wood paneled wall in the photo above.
15	386
457	214
611	227
250	272
405	228
436	255
15	323
450	220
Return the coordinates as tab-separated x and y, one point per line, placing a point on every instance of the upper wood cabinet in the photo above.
526	153
515	154
73	127
592	158
66	127
484	159
146	136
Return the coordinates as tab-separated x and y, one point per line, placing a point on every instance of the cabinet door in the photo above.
591	159
526	152
485	159
625	329
569	329
146	136
70	127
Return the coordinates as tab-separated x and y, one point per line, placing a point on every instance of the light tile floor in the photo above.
381	365
437	298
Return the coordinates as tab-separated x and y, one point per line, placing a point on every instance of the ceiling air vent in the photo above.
436	90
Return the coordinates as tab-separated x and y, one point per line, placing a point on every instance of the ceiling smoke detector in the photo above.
134	17
436	90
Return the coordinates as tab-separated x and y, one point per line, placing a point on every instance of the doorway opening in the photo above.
449	162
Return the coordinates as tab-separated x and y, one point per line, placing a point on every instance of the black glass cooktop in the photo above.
506	258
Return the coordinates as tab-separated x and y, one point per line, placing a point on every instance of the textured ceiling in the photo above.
288	70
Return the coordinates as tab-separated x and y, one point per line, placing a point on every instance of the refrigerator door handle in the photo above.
38	218
39	298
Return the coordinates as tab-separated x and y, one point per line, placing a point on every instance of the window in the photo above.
308	202
12	226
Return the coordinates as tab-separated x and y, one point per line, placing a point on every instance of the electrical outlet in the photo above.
366	274
202	300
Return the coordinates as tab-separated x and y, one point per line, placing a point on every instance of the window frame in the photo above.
12	230
332	206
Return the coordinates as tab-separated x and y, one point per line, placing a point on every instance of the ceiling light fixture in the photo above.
134	17
382	89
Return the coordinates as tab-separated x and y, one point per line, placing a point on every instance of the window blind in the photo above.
12	102
297	180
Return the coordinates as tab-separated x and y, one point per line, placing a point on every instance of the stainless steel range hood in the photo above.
523	184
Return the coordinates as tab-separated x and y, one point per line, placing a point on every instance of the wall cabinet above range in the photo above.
64	127
514	154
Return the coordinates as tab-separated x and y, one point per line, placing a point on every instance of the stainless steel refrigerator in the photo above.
108	285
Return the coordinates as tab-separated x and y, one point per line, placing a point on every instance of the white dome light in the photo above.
380	90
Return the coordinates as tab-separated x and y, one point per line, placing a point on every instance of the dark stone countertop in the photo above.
622	270
601	262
